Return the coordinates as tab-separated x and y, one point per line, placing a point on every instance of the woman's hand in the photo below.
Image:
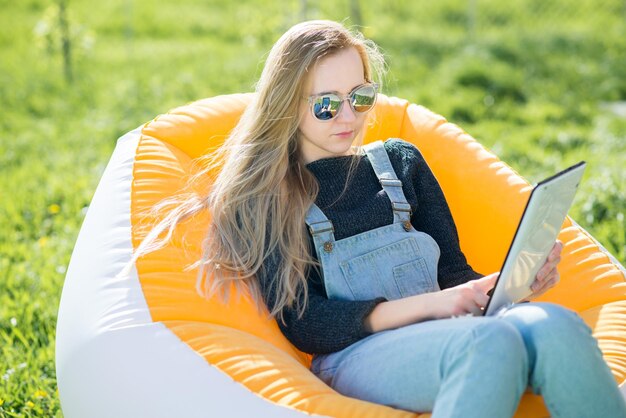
467	298
547	276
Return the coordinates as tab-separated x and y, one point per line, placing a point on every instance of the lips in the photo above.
345	133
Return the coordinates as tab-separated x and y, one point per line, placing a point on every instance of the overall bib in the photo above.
472	366
393	261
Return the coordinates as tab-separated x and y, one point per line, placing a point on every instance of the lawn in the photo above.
540	85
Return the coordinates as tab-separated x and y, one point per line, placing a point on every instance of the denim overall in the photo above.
393	261
468	366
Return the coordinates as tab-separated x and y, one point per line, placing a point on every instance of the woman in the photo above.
354	250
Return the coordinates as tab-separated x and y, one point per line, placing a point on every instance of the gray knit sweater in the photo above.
331	325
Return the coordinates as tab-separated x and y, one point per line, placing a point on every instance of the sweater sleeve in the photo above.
326	325
433	217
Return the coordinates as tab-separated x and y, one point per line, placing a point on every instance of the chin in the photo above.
341	146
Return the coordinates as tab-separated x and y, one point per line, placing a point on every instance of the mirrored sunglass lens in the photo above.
325	107
363	99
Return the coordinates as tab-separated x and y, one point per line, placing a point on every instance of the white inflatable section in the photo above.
111	359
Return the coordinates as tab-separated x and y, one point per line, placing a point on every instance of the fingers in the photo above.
550	265
556	251
477	311
467	299
540	287
471	297
485	284
551	262
548	275
546	271
476	303
481	299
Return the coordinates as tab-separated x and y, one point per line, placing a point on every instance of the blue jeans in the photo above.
480	366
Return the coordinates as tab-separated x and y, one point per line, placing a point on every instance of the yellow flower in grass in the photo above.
53	209
40	394
1	401
30	404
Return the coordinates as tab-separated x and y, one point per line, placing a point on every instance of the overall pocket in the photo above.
414	278
394	271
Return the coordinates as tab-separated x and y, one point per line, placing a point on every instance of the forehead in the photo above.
341	71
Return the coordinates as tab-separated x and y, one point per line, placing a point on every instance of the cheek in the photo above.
363	121
311	128
304	120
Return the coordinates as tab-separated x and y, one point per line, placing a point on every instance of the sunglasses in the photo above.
326	106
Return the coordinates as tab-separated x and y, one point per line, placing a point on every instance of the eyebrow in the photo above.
335	91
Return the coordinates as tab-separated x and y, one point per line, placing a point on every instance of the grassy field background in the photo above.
539	84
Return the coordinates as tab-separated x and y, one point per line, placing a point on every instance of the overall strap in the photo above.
321	229
389	181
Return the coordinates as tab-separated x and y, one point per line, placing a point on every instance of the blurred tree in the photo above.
303	9
355	13
65	42
58	34
471	20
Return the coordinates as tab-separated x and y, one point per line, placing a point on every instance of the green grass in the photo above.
529	85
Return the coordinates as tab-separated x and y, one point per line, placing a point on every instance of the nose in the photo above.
346	113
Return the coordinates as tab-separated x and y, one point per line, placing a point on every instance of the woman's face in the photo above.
340	72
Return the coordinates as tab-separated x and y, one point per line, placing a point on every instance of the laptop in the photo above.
535	236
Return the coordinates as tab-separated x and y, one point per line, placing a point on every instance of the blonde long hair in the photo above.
259	198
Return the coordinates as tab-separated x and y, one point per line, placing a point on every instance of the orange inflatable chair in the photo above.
148	345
